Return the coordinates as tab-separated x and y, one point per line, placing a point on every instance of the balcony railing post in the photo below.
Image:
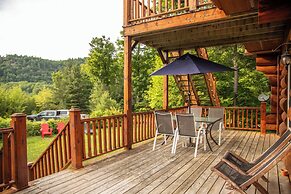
19	151
126	11
192	5
77	139
263	117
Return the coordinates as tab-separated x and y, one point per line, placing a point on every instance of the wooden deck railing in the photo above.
244	118
55	158
5	159
149	10
102	135
143	126
83	139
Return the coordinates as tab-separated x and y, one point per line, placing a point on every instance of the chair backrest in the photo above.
164	122
197	111
186	124
282	141
60	126
268	165
216	113
45	127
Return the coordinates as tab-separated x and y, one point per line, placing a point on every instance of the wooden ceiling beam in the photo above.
226	41
206	38
194	35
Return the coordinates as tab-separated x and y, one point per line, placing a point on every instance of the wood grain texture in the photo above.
142	170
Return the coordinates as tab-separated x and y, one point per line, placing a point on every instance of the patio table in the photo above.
210	121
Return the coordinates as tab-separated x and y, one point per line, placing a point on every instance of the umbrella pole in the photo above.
189	94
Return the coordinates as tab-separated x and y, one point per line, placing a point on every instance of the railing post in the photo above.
192	5
30	172
126	11
263	117
19	151
77	139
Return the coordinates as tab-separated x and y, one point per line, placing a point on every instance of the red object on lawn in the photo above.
45	130
60	126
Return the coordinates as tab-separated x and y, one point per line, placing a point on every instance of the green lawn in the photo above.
36	145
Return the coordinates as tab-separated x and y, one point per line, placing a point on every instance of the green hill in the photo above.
15	68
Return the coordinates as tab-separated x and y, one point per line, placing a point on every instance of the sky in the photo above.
57	29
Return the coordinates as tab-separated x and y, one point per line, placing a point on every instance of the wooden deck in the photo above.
142	170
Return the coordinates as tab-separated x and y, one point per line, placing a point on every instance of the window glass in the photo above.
50	114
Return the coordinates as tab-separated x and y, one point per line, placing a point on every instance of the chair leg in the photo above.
260	188
165	139
219	137
196	146
265	179
204	139
176	142
155	141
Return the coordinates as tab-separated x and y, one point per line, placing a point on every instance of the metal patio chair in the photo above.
217	113
186	127
164	125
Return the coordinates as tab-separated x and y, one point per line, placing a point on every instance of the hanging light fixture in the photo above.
285	57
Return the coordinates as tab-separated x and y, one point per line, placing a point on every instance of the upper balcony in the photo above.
186	24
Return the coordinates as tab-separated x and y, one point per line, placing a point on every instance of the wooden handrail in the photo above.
55	158
6	130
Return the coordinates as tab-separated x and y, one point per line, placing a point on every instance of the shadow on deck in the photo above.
142	170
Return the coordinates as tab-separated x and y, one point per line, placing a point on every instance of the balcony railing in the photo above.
102	135
141	11
5	158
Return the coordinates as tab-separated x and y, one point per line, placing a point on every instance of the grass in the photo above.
36	145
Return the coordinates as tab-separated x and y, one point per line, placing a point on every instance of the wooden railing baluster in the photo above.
94	138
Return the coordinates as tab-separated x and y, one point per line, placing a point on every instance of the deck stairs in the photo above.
202	87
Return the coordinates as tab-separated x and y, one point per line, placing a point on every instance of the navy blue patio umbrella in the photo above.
189	64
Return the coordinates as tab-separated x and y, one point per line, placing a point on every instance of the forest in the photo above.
95	83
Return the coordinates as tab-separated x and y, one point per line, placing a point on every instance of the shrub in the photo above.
4	122
33	127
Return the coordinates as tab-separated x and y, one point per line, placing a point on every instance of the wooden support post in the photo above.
165	60
165	92
77	139
19	151
263	117
128	128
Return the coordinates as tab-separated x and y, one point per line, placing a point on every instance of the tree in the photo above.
102	66
101	103
71	87
14	100
251	82
44	99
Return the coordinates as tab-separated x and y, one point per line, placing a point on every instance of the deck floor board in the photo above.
142	170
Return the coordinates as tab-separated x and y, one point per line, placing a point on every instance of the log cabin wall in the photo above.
267	63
